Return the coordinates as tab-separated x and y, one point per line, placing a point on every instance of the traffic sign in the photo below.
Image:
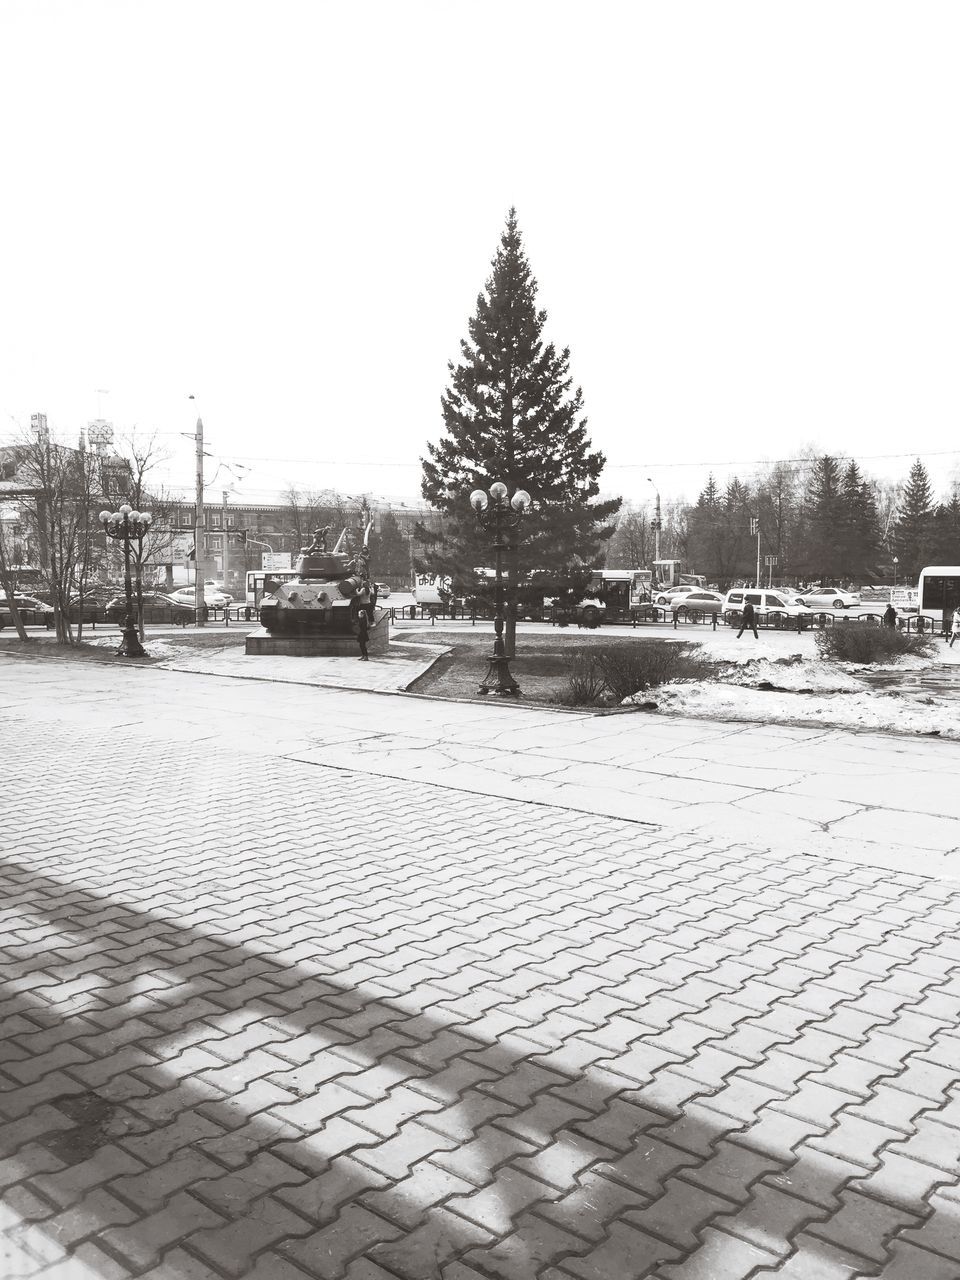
770	559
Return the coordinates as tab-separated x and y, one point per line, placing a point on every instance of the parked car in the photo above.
383	590
156	608
33	612
767	604
91	606
670	594
831	597
213	598
699	601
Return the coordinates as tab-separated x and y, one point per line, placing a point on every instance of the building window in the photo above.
186	520
215	544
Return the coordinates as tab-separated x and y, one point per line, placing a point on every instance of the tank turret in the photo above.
326	596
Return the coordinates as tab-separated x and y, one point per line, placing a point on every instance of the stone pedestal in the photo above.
322	644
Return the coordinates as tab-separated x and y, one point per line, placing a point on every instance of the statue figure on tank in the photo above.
320	607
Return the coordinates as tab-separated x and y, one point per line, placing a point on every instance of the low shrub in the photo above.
632	668
585	686
610	673
865	645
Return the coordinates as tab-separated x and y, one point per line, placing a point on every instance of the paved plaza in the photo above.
315	983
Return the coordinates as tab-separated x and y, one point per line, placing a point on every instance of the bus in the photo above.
938	594
263	582
617	592
611	595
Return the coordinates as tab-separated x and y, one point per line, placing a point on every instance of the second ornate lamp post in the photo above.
502	515
125	525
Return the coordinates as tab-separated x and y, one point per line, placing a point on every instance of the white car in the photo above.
766	604
672	593
211	596
831	597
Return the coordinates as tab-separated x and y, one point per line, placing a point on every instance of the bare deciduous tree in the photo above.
58	509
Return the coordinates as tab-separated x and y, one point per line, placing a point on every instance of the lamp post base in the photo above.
131	646
498	678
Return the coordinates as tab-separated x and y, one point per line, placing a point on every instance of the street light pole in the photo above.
125	525
198	600
501	514
656	524
226	544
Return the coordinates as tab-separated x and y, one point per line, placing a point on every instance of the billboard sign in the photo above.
271	561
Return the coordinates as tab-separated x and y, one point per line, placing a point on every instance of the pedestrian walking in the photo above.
748	621
954	627
363	628
890	616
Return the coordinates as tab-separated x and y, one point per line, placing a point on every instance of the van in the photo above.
766	604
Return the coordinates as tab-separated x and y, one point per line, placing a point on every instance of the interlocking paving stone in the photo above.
504	1044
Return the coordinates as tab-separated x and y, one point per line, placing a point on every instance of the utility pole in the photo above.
755	528
656	522
198	600
226	543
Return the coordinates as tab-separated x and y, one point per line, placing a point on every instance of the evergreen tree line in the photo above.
822	519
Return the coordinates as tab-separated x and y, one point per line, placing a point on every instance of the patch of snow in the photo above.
863	709
722	646
909	662
822	677
153	648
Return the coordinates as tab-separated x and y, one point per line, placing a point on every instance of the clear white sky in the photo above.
744	217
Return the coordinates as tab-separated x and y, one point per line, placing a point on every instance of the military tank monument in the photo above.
318	611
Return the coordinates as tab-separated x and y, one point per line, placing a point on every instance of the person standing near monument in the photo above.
363	631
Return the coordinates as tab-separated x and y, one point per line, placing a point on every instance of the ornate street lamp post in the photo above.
123	526
502	515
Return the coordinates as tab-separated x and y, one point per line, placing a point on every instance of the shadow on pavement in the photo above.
162	1086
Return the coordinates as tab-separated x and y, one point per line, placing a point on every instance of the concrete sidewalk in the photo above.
384	1026
878	799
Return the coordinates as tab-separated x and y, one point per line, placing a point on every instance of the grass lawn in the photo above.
541	666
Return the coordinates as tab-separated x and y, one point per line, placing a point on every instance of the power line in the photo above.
618	466
613	466
756	462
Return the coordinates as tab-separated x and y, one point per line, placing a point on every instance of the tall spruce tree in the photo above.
718	532
946	531
703	521
510	415
859	540
825	516
915	529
